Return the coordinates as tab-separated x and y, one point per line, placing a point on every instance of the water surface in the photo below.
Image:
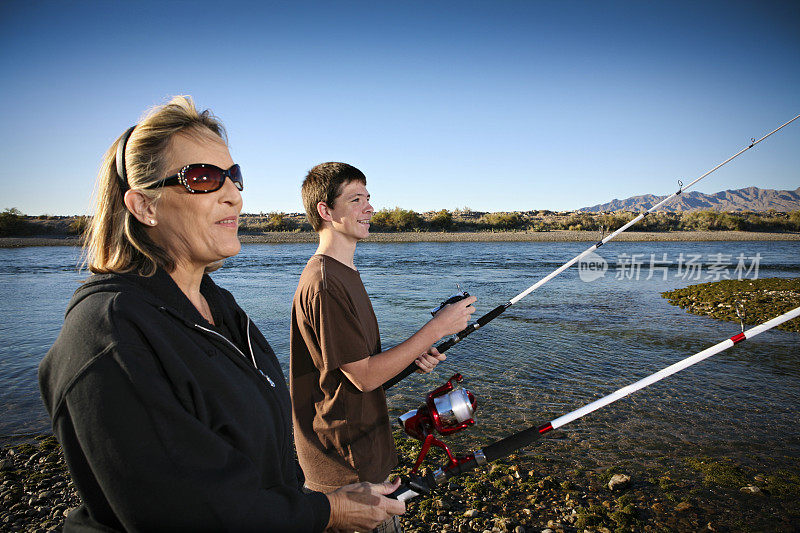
563	346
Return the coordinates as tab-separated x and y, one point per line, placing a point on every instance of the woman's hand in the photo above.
428	360
362	506
454	317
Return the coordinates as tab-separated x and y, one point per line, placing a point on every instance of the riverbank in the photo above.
279	237
550	491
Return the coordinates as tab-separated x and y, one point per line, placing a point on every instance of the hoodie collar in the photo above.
159	289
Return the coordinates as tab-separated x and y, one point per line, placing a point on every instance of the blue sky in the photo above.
494	106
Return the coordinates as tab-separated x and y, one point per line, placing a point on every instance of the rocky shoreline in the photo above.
757	300
36	490
556	490
279	237
524	494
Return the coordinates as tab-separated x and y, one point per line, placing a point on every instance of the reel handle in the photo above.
403	493
411	487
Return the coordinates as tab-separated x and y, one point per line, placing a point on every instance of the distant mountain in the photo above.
749	199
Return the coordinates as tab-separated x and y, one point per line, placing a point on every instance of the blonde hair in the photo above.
116	241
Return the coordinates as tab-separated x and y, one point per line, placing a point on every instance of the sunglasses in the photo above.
202	178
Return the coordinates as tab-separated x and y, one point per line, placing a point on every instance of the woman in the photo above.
169	404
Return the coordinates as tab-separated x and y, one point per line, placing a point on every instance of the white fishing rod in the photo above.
453	400
494	313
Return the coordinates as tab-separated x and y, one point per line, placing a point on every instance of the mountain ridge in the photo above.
749	199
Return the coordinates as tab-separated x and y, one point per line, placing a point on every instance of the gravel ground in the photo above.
524	494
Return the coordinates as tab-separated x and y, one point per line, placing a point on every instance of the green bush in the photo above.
397	220
614	221
794	220
580	221
773	222
712	221
502	221
13	223
442	220
275	221
79	225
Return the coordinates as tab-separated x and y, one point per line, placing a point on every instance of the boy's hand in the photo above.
454	317
428	360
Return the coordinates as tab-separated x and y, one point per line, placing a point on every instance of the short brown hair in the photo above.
115	240
324	183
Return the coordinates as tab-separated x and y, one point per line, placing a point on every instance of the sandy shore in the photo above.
278	237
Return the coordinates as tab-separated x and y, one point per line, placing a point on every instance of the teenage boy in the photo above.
337	367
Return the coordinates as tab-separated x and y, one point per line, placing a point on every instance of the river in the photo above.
579	337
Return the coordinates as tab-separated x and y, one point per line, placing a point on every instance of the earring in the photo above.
152	222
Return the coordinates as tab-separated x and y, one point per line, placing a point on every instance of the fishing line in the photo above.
415	484
497	311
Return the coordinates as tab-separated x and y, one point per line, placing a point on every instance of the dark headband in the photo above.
123	142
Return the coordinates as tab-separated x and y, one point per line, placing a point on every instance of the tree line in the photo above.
15	223
398	220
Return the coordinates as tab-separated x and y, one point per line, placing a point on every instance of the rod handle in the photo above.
449	343
410	369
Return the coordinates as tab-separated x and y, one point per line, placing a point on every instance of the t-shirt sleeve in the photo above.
340	333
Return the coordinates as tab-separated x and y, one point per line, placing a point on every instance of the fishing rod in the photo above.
497	311
448	410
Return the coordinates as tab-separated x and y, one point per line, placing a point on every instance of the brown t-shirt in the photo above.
342	435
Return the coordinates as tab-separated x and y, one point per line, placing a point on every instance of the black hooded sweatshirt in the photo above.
168	423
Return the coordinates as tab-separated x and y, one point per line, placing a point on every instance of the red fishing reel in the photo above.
446	410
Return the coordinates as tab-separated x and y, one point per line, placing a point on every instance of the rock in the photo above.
619	481
519	529
683	507
471	513
548	530
750	489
